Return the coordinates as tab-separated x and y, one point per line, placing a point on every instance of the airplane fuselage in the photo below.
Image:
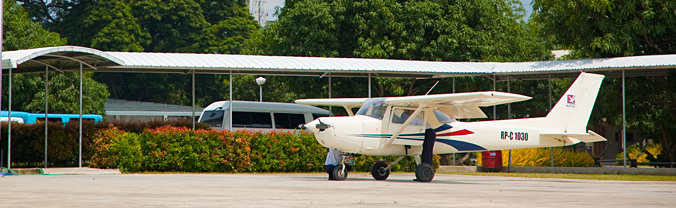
368	136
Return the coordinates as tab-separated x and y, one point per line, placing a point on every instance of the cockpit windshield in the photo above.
376	108
373	108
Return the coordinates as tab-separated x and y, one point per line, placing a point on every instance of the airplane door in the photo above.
396	121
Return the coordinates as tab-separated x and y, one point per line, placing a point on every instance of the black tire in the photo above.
379	170
339	173
424	172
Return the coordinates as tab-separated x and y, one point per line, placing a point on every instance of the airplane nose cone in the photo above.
311	126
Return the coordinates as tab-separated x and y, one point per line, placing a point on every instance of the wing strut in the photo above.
404	125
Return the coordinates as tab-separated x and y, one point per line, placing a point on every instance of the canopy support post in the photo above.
80	131
551	149
9	123
330	110
369	85
509	116
193	100
230	104
624	123
46	111
453	78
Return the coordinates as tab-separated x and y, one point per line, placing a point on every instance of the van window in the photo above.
288	120
251	119
213	118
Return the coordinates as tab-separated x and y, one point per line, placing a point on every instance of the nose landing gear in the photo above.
340	171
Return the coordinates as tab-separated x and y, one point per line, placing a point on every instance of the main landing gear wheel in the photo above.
379	170
340	172
424	172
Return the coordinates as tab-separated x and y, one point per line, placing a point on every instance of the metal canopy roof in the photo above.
67	58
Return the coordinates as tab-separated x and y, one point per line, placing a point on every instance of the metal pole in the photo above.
551	149
509	116
193	100
495	111
624	123
9	123
46	111
509	105
1	72
330	112
80	136
260	93
453	92
230	104
369	85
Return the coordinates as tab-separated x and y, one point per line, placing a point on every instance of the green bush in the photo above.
120	149
180	149
285	152
28	140
183	150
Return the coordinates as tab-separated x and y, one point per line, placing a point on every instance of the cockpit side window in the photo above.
400	116
373	108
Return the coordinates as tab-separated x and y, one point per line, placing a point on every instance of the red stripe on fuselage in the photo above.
457	133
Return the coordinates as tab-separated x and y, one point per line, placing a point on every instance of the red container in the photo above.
492	161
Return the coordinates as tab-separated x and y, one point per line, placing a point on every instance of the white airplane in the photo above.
426	125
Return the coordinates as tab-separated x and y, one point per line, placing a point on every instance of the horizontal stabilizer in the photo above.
573	138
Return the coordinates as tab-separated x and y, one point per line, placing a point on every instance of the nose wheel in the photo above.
340	172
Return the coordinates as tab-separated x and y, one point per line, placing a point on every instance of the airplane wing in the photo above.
459	105
347	103
351	102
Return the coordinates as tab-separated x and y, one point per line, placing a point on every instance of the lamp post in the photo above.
260	81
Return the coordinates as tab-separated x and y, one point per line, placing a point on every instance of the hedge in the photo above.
183	150
28	140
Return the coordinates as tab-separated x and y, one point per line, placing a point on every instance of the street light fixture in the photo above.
260	81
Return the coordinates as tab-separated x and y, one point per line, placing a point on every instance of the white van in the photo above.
263	116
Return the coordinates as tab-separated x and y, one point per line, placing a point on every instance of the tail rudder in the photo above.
571	113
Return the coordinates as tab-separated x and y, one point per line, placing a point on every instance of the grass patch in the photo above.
577	176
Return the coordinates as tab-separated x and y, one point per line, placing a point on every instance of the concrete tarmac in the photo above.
313	190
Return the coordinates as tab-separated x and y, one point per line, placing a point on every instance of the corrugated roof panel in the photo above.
138	62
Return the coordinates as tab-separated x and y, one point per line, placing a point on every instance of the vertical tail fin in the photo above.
571	113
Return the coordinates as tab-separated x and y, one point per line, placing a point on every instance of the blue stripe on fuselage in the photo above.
459	145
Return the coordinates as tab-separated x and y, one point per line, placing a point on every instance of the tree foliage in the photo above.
195	26
434	30
602	28
28	89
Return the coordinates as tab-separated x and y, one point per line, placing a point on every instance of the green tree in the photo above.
196	26
436	30
21	33
114	27
599	28
602	28
230	25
